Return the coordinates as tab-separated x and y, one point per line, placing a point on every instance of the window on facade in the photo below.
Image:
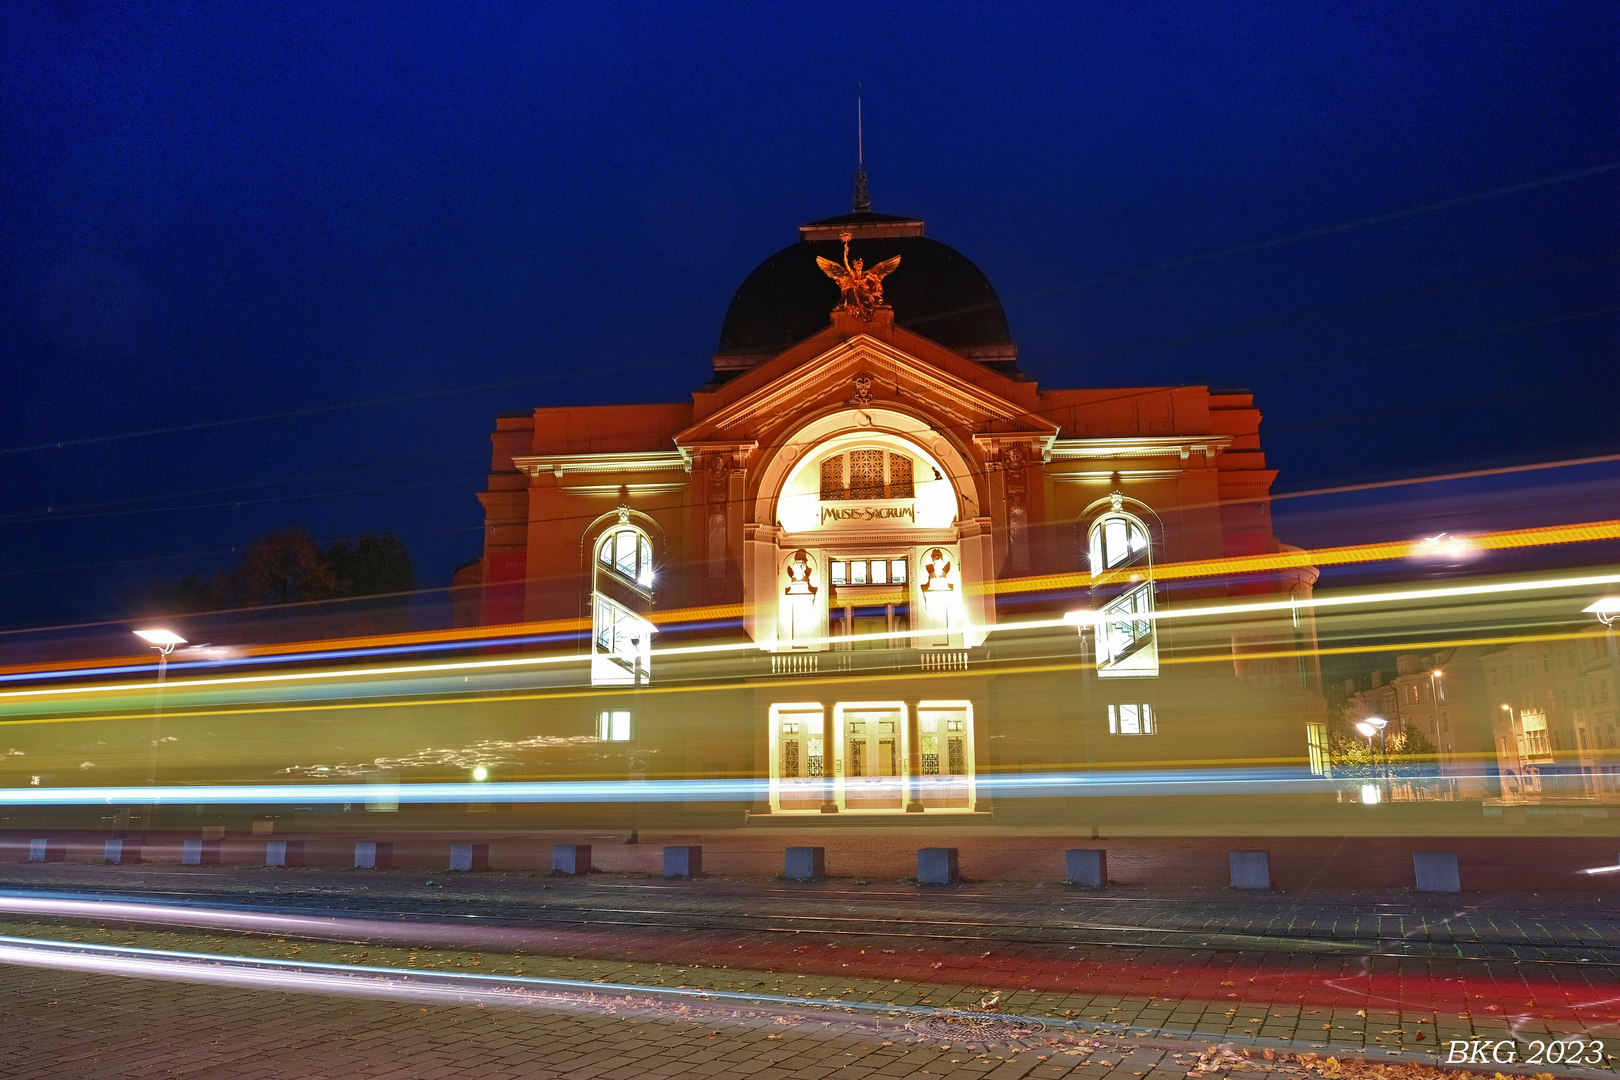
1127	625
613	725
1126	636
1535	733
621	634
628	553
1116	541
868	571
1316	744
1130	718
873	474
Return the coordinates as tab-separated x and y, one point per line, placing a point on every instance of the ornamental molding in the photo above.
560	465
1138	446
736	452
820	381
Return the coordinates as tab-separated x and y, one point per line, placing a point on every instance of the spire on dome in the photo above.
862	203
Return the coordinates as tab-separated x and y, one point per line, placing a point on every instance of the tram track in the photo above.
150	907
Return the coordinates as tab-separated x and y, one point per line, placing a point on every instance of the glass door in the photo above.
945	749
798	758
872	756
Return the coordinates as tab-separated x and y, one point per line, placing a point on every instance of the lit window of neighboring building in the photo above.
1130	718
613	725
1316	743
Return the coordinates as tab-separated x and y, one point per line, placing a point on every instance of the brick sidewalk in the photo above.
63	1025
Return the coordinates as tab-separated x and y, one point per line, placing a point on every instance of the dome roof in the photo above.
936	292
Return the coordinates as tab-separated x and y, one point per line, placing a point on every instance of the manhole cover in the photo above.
977	1027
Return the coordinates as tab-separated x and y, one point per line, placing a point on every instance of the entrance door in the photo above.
945	746
873	755
798	758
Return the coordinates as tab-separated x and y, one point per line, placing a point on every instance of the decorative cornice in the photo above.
1138	446
692	450
560	465
885	364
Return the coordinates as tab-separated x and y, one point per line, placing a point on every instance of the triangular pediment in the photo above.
932	383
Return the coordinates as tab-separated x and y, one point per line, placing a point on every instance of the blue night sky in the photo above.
216	211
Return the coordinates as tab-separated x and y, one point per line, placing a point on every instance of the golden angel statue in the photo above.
862	288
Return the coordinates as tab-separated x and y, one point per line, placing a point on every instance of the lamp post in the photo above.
1081	619
1374	725
1435	674
164	642
637	770
1518	747
1608	610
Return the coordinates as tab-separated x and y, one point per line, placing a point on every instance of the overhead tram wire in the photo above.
1340	311
39	517
1283	240
1121	275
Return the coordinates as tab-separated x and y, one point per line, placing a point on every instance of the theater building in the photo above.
877	522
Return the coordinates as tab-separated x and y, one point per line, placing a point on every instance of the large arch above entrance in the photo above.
877	425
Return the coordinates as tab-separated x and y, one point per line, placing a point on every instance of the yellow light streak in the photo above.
748	684
1217	610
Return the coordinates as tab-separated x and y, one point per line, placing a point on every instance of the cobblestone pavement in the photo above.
63	1024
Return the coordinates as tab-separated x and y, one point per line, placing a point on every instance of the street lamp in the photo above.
1374	725
1080	619
164	642
1608	610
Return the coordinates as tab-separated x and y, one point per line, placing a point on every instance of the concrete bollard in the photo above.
683	862
121	853
1087	867
199	853
469	857
284	853
1251	869
571	859
46	851
1436	871
805	863
936	865
373	856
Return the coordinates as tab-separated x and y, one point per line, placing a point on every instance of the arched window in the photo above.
873	474
621	597
1121	551
627	552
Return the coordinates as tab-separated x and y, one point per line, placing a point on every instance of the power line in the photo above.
318	410
1284	239
1122	275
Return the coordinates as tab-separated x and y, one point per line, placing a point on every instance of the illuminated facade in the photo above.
857	508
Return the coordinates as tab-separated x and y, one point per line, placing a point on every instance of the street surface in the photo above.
595	976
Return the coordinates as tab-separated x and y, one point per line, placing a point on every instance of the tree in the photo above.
371	566
287	567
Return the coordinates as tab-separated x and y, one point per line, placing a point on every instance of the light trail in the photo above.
1114	782
1165	613
444	987
472	637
